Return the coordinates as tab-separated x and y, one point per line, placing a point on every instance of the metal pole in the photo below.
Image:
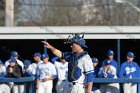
118	57
118	52
9	20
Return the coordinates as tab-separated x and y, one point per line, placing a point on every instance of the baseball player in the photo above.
108	71
15	71
15	55
4	88
62	73
46	72
95	87
37	58
27	71
110	55
79	64
129	69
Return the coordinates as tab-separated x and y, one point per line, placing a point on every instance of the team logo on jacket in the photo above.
130	70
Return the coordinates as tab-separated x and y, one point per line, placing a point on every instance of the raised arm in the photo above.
53	49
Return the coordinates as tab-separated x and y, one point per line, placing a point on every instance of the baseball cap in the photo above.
12	60
110	53
26	63
37	54
45	55
95	60
14	54
107	62
130	54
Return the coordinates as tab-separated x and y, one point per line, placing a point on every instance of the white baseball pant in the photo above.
45	87
97	91
76	88
19	88
4	88
62	86
130	88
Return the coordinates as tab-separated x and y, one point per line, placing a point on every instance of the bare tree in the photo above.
78	12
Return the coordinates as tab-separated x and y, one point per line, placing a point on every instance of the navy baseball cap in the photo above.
12	60
95	60
107	62
45	55
14	54
37	54
110	53
130	54
26	63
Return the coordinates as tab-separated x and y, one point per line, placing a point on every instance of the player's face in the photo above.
95	64
75	47
110	57
130	59
46	60
13	64
36	58
15	57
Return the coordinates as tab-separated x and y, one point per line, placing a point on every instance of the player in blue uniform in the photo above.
96	86
79	64
110	55
108	71
129	69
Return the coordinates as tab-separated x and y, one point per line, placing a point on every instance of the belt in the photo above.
41	80
63	80
74	83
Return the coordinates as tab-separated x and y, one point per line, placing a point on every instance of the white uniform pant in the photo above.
130	88
109	88
76	88
4	88
45	87
97	91
19	88
62	86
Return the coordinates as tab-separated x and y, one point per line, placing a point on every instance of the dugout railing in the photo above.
95	80
30	80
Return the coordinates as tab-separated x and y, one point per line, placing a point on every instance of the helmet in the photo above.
76	39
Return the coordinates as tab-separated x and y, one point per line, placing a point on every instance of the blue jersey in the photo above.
79	66
113	63
129	70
